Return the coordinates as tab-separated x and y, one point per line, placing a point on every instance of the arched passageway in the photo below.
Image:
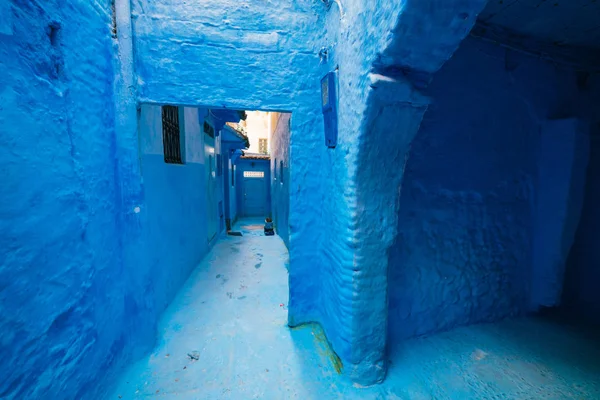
458	164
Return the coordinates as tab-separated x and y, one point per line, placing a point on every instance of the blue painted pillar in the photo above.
130	188
562	160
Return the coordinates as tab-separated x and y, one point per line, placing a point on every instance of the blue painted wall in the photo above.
76	241
230	143
252	165
86	236
233	207
175	210
63	311
165	235
581	297
561	158
278	41
383	53
280	188
473	186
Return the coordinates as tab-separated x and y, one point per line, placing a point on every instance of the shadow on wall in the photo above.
581	296
62	316
280	175
472	188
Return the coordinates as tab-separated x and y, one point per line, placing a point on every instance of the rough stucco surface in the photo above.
280	188
83	274
62	315
581	296
231	53
464	248
156	264
242	55
377	96
562	157
331	281
179	58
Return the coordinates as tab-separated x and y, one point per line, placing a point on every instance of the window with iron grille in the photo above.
171	135
262	146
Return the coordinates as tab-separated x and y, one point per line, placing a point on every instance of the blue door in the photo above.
212	212
254	194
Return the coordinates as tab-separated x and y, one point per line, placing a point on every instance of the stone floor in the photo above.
225	337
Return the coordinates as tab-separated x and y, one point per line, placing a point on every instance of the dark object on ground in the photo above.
235	233
194	355
269	231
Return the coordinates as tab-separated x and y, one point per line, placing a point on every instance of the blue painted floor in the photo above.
231	315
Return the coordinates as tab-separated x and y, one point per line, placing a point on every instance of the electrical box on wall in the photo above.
329	104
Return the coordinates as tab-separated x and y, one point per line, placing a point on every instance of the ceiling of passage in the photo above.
560	22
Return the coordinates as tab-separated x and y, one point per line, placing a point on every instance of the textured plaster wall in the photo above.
383	55
341	223
581	297
174	212
223	54
78	234
236	54
561	159
280	188
63	318
476	204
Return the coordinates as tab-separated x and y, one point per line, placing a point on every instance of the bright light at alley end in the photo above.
329	104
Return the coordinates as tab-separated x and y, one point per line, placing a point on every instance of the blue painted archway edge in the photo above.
386	103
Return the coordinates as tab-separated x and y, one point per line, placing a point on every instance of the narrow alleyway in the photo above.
432	167
231	316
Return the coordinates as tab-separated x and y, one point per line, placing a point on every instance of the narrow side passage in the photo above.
232	316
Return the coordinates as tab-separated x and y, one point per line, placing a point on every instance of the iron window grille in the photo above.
171	135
